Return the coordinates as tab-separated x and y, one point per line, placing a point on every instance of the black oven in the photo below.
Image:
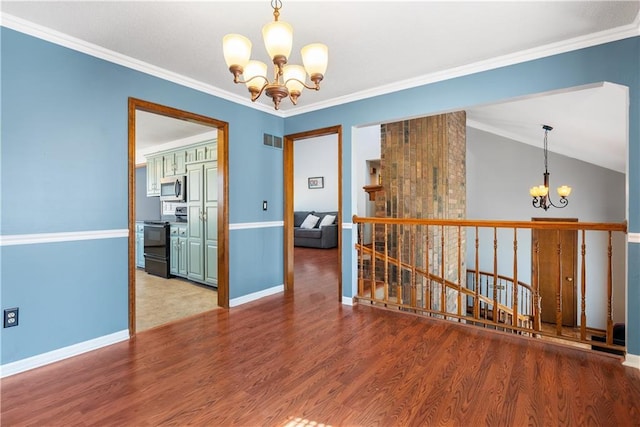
156	248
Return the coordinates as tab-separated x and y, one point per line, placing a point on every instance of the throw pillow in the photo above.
310	221
327	220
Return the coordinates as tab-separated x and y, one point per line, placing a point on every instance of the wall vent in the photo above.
272	141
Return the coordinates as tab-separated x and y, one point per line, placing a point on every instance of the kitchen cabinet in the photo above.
202	153
154	175
139	244
174	163
202	206
178	250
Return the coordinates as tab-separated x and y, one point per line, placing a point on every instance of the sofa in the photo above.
323	237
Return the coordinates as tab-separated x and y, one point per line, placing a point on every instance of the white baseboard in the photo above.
255	296
347	300
632	360
61	353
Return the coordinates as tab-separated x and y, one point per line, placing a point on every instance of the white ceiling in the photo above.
374	47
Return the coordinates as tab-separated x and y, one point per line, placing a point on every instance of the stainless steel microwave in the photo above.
173	189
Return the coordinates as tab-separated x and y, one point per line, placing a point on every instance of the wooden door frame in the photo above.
289	141
223	190
575	264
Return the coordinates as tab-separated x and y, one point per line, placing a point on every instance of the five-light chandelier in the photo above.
288	80
540	193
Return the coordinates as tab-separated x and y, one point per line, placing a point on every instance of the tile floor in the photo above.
160	301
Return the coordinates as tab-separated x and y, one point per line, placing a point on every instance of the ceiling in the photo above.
374	47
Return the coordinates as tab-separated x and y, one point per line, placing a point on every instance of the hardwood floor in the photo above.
160	301
301	359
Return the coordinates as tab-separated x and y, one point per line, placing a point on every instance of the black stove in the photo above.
156	248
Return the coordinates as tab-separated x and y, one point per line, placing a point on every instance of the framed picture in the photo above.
316	182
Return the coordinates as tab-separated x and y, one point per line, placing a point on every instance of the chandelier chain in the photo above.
276	5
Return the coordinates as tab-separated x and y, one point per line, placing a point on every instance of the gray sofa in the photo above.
318	237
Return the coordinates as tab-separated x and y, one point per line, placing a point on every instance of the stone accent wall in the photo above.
423	170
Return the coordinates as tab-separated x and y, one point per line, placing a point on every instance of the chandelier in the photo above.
540	193
288	80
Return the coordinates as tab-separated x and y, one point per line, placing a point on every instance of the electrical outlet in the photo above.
264	205
10	317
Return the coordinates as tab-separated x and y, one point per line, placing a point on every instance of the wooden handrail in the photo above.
411	255
533	225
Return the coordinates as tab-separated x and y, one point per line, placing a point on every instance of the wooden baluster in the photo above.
427	297
373	260
537	306
609	292
460	276
443	286
386	263
412	238
495	275
559	288
514	284
476	301
399	269
583	289
361	258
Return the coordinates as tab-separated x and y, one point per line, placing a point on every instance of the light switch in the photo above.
264	205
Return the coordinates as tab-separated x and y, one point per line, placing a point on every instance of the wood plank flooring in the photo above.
302	359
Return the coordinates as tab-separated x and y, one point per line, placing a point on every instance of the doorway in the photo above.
222	189
556	272
289	142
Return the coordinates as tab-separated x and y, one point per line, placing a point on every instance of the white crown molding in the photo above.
256	296
576	43
61	39
61	353
70	236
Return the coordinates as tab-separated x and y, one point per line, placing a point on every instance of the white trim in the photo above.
256	296
347	301
61	353
594	39
65	40
633	237
56	37
632	361
248	225
69	236
347	225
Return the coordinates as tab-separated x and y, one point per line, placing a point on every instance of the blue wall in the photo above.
64	138
64	169
617	62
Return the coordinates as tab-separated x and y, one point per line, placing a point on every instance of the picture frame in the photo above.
316	182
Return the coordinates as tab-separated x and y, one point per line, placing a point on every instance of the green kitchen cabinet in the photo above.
154	175
202	152
178	250
175	163
202	205
139	244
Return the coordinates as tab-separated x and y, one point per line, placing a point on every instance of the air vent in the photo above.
273	141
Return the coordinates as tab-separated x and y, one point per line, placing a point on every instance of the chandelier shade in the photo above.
315	58
278	39
540	193
288	80
255	74
237	50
